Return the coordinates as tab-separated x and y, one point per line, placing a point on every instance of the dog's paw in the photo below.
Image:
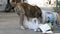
35	30
22	27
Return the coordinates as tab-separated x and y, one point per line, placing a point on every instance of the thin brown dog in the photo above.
24	9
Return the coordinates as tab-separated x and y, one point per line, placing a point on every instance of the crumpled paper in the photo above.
45	28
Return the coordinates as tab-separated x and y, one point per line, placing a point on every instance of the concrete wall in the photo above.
41	3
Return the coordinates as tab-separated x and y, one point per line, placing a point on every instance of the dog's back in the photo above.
30	11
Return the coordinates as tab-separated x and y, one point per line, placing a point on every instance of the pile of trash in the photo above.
34	24
45	28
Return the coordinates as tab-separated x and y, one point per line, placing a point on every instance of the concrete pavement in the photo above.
9	24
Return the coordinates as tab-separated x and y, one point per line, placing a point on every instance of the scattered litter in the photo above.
44	27
34	25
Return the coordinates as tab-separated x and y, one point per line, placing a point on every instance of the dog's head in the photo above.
38	12
14	2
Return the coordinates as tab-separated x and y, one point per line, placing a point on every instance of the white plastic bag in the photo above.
46	14
32	24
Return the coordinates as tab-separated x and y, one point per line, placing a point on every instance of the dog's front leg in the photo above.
21	21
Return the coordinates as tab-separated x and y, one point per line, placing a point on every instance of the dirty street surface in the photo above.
9	24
